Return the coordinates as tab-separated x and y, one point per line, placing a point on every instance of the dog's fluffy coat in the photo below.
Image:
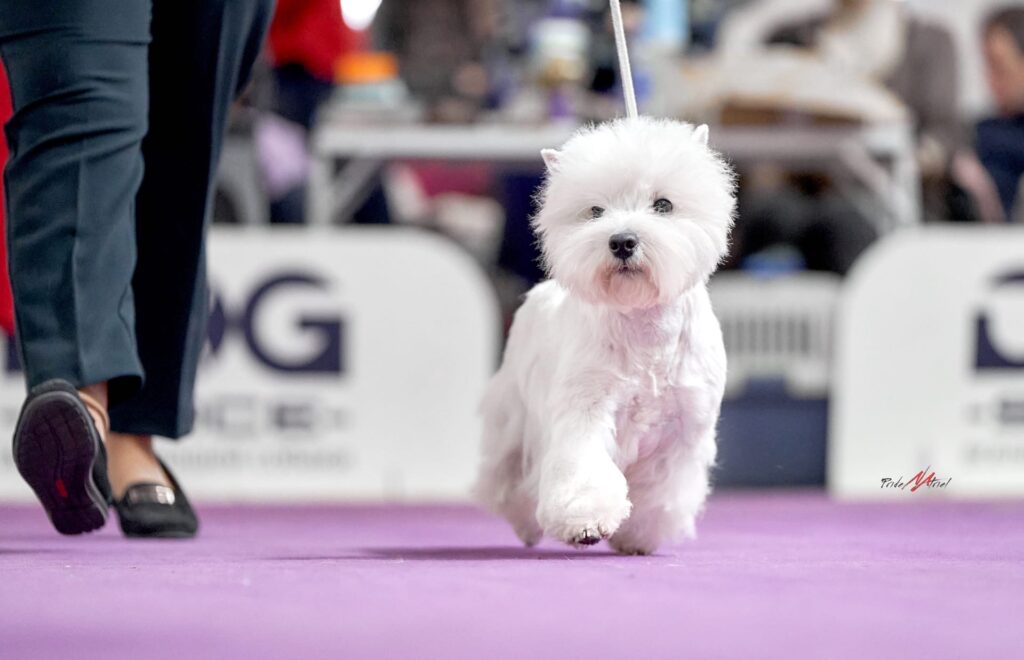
601	420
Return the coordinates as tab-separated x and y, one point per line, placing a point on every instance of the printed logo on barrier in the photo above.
327	357
987	355
327	354
287	322
993	413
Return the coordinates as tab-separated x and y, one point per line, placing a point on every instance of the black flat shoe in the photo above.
150	510
60	453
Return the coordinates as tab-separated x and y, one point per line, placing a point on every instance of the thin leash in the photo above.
625	72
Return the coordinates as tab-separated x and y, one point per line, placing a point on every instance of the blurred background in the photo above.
372	240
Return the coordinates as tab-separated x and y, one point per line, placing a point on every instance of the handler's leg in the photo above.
78	82
77	72
201	56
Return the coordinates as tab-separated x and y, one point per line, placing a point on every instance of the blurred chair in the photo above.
778	328
239	196
779	336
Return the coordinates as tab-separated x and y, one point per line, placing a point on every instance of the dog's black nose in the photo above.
623	245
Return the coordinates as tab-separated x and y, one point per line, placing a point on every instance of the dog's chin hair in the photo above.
635	288
628	288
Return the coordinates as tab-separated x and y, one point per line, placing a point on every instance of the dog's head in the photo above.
635	212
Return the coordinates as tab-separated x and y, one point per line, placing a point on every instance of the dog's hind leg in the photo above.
520	507
501	484
506	493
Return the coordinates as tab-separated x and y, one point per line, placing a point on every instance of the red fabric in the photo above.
6	299
311	33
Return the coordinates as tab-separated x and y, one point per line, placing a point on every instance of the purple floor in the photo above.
772	576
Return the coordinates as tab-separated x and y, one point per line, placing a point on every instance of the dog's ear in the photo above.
551	158
700	134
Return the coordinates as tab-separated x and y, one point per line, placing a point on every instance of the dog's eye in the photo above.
663	206
596	211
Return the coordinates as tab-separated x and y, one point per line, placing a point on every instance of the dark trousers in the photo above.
119	111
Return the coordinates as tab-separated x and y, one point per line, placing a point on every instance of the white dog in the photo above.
601	420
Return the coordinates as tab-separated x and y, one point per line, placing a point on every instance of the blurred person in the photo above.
442	46
305	42
119	114
307	37
881	41
1000	140
916	60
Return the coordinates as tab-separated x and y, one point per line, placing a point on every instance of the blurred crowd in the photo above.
802	64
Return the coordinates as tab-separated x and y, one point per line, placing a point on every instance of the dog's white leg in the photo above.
582	494
501	485
667	498
501	482
521	512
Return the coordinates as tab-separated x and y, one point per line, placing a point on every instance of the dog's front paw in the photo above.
584	510
587	530
587	535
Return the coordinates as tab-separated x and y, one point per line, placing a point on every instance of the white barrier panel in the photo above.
778	327
342	364
930	368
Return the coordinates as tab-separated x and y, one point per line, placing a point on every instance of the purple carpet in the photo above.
772	576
